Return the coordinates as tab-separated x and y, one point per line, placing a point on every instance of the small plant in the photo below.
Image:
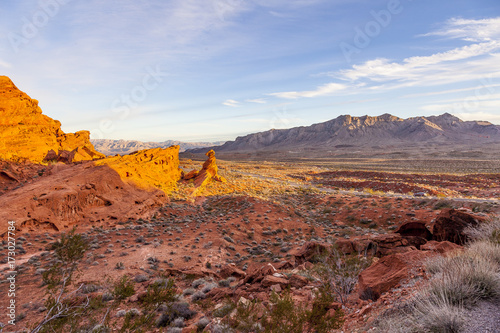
339	272
123	288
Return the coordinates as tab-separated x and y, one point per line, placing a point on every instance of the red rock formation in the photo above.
71	194
208	173
108	190
148	169
387	273
450	225
27	134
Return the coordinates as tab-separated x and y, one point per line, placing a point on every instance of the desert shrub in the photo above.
140	278
89	288
123	288
339	272
224	283
224	310
174	311
121	313
188	291
174	330
465	280
178	322
63	307
197	296
208	287
487	231
202	323
245	319
486	249
284	316
198	282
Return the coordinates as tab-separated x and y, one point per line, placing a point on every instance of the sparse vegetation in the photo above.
457	283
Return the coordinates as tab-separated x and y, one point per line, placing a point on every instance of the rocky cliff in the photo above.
27	134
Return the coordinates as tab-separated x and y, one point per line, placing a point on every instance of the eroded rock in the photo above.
27	134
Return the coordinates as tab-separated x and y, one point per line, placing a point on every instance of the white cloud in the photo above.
231	103
492	117
477	61
323	90
470	30
257	100
418	67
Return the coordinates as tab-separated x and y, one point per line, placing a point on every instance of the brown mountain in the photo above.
366	132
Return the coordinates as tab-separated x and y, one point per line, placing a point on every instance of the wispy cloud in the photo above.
257	100
470	30
323	90
231	103
478	60
493	117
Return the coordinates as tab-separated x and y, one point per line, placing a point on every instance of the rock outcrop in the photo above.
148	169
450	226
388	272
27	134
207	174
108	190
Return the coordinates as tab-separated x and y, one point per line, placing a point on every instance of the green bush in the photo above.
123	288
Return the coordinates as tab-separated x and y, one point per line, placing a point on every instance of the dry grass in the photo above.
456	284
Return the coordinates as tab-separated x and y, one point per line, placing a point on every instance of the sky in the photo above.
212	70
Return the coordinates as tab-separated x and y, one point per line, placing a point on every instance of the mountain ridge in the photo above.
112	147
383	130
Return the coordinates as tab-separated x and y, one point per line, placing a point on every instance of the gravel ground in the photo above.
484	319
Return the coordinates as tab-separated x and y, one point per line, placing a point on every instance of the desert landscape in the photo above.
255	235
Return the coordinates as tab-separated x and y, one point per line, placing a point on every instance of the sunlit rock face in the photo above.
27	134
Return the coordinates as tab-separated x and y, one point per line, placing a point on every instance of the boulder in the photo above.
270	280
231	270
27	134
414	229
450	225
298	281
257	274
387	273
308	252
440	247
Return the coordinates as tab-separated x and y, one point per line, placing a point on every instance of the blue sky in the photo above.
207	70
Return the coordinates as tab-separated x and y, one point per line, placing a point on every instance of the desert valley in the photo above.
352	225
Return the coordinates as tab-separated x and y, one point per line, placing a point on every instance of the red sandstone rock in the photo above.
450	225
270	280
208	173
417	229
231	270
27	134
387	273
440	247
298	281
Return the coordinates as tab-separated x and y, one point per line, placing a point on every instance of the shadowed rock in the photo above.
450	226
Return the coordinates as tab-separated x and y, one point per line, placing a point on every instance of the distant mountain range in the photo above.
122	147
382	131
